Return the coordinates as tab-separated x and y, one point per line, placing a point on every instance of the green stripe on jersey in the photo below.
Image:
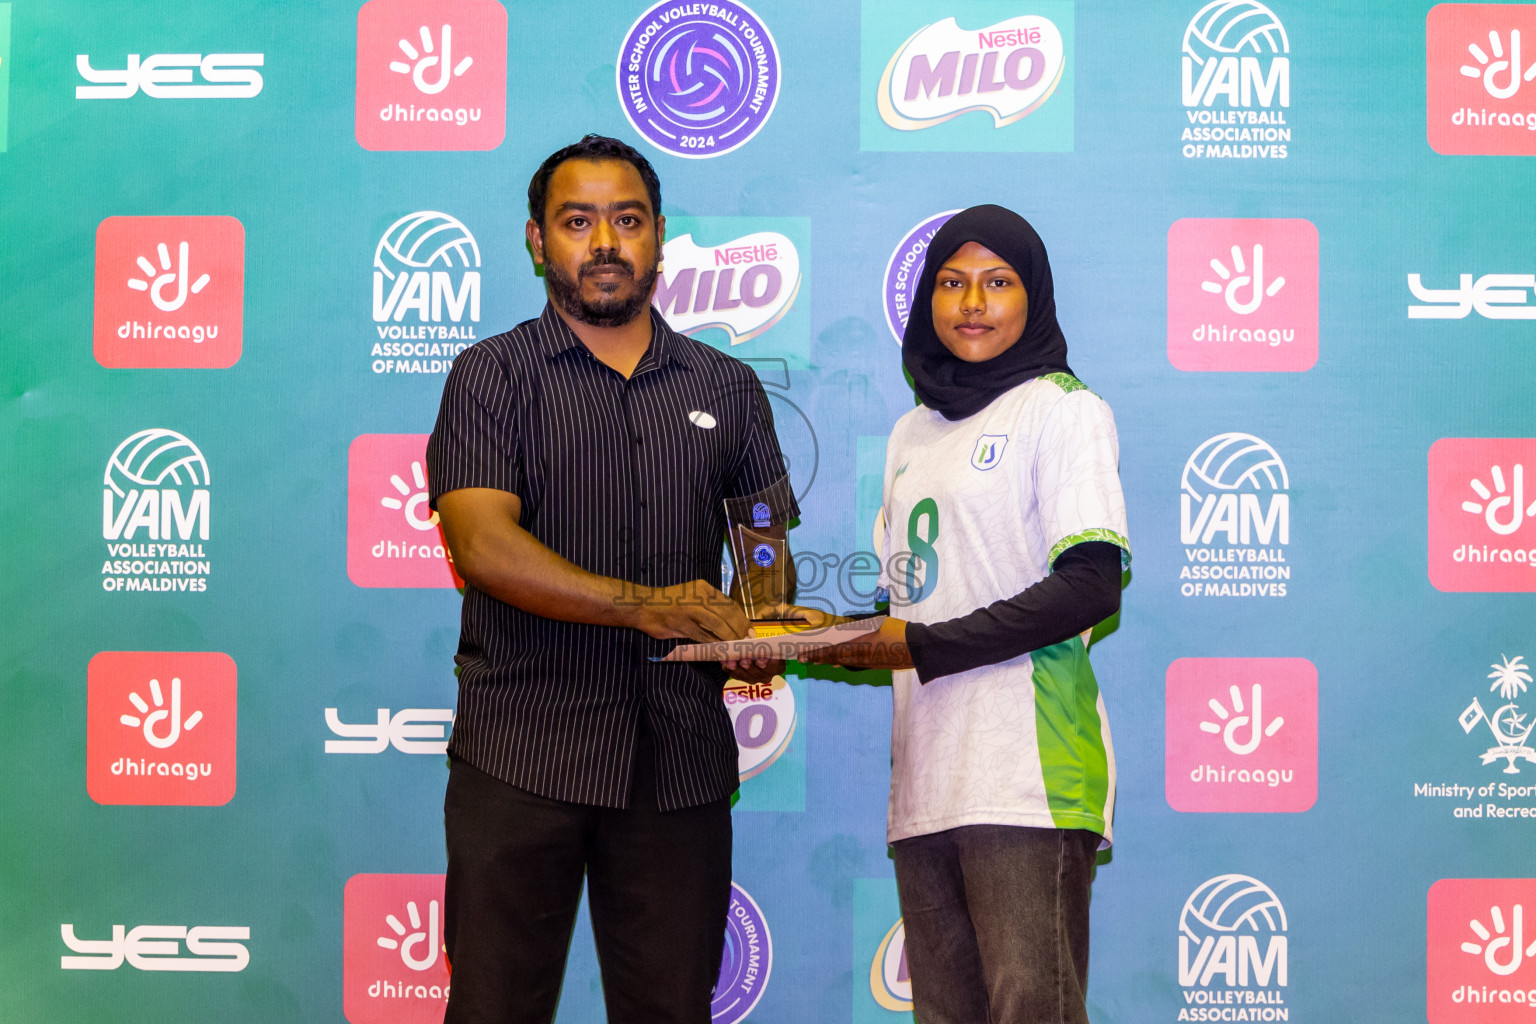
1066	382
1070	736
1097	533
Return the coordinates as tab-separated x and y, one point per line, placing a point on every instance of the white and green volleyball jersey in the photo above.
975	511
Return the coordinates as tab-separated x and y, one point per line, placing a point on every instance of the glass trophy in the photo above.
756	531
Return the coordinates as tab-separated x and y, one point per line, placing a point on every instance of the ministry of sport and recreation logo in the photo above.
904	268
742	286
159	947
160	728
1241	734
1242	294
1234	951
170	292
426	294
409	730
746	962
1501	745
698	79
1236	83
1234	519
763	717
1491	296
431	74
394	965
1482	514
393	536
1480	79
155	506
890	981
1481	955
173	76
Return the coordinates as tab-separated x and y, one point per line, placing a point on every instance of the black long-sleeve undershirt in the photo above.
1082	590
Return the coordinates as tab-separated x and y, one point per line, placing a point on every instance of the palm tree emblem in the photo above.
1510	678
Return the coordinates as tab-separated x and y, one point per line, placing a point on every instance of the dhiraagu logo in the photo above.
5	75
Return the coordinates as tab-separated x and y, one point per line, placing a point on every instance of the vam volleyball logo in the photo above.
763	717
1235	519
698	80
904	268
394	965
170	292
1234	951
160	728
426	293
1241	735
1242	294
1236	83
1481	938
155	508
743	286
746	962
1482	514
393	536
431	74
890	982
1480	78
1006	70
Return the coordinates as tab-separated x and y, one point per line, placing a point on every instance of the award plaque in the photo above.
756	531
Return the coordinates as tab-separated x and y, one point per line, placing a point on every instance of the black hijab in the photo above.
951	385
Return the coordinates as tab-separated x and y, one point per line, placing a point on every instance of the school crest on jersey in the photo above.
989	451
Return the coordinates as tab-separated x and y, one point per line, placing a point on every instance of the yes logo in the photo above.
393	537
394	968
431	74
160	728
1494	296
168	76
1241	734
1242	294
1482	514
157	947
1481	79
1482	950
170	292
409	730
743	286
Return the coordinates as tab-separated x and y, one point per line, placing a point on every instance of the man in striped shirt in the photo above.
579	466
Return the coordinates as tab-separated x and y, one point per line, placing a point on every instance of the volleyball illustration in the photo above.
1234	26
1231	903
425	239
1233	462
156	458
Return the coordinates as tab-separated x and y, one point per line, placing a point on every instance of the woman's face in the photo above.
979	304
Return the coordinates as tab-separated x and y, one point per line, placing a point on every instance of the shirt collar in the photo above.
667	345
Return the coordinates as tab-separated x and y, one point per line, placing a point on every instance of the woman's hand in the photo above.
886	648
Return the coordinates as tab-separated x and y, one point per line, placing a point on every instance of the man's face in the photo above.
601	242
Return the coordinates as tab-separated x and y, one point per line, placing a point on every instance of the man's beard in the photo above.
608	311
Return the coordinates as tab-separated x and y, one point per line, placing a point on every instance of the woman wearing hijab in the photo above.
1005	533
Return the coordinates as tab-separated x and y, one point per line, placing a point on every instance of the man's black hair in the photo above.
591	147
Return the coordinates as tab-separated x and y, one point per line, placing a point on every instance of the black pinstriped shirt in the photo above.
625	478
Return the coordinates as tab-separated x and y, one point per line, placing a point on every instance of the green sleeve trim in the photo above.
1097	533
1066	382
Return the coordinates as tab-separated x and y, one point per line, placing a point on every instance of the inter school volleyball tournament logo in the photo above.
1234	951
1235	519
431	74
160	728
1242	294
746	962
763	717
1482	514
155	506
426	294
1241	734
393	536
394	966
1480	79
890	981
170	292
1236	83
743	286
904	268
1481	938
698	80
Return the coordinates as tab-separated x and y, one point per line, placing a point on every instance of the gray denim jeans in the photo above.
997	923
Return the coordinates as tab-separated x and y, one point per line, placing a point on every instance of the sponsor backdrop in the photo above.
1294	250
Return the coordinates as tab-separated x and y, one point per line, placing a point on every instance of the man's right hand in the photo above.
693	611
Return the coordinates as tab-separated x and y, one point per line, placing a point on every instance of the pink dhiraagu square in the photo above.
1481	951
394	968
1241	734
1242	294
1479	81
160	728
431	74
1482	514
393	536
170	292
